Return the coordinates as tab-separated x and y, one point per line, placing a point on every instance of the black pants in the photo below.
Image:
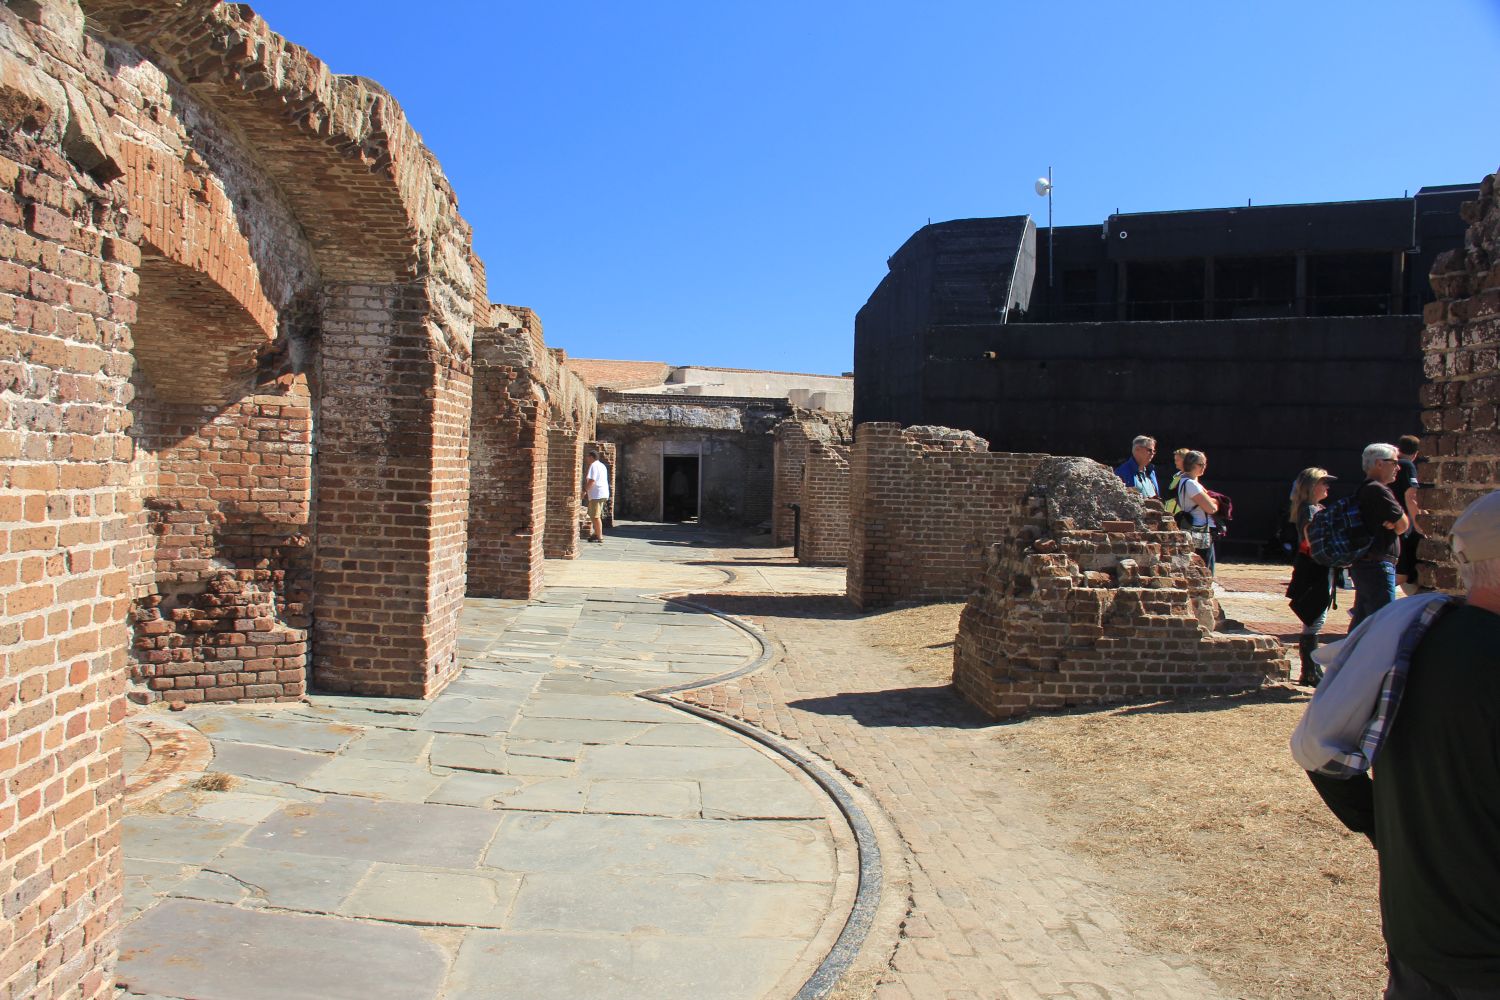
1407	983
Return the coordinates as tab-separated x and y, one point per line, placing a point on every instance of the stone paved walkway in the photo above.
533	832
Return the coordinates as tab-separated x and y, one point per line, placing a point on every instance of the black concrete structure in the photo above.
1270	337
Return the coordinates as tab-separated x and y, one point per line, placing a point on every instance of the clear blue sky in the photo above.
721	183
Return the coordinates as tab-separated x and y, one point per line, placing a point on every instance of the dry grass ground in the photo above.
1216	846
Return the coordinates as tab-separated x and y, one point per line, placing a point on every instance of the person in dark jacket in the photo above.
1310	591
1374	573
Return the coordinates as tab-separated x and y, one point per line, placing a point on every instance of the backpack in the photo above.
1337	534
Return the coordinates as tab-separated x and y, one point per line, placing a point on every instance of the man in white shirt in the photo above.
596	481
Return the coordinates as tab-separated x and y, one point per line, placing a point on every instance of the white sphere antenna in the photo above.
1043	186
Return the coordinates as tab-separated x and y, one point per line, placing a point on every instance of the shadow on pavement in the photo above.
937	705
1221	703
823	607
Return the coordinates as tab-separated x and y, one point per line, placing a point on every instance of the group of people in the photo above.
1185	497
1390	510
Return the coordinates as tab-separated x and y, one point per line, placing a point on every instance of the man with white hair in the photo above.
1433	807
1138	473
1374	573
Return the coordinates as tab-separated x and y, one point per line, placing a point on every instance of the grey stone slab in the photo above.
376	779
681	763
405	833
499	965
468	753
404	745
583	706
479	716
473	789
754	799
644	798
147	881
439	898
280	731
284	878
679	906
550	795
236	807
701	734
578	730
365	703
551	749
214	952
772	851
180	839
268	763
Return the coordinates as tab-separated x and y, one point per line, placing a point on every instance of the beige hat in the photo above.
1476	533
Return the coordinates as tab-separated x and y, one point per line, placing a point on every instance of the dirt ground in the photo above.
1217	846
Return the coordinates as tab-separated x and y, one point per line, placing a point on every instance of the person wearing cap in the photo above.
596	482
1374	573
1310	591
1432	809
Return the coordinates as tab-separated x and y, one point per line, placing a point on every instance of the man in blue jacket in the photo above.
1137	472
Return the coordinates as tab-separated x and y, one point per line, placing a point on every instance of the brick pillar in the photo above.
508	477
564	487
789	456
1462	341
391	495
825	506
65	561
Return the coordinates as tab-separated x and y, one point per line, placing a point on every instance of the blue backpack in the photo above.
1337	534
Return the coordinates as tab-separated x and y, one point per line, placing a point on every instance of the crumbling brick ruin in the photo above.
1462	394
792	437
825	505
238	303
1092	596
925	503
525	399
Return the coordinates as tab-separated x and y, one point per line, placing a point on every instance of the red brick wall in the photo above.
64	568
825	506
564	487
392	486
1082	617
923	511
1462	393
508	475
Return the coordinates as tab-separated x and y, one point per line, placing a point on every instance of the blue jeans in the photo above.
1374	588
1406	983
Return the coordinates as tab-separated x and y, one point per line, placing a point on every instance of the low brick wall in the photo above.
924	504
825	506
1065	617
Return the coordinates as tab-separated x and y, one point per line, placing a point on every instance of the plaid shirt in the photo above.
1357	761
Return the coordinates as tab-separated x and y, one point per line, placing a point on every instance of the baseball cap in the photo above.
1476	533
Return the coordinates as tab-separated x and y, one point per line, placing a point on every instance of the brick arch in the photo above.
186	218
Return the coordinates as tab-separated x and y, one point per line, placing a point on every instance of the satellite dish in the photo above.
1043	186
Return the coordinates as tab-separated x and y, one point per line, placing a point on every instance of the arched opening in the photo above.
220	496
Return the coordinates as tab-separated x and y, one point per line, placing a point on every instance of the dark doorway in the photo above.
679	488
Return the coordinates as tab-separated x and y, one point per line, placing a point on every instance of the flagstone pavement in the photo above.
535	831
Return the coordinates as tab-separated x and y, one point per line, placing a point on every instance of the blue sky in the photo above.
721	183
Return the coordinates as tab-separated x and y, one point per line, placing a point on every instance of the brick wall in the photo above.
825	506
564	485
508	474
67	259
1461	344
1065	616
924	504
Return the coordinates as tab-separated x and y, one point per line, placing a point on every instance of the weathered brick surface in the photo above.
825	506
564	488
1066	616
790	455
925	504
205	238
609	455
1461	397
